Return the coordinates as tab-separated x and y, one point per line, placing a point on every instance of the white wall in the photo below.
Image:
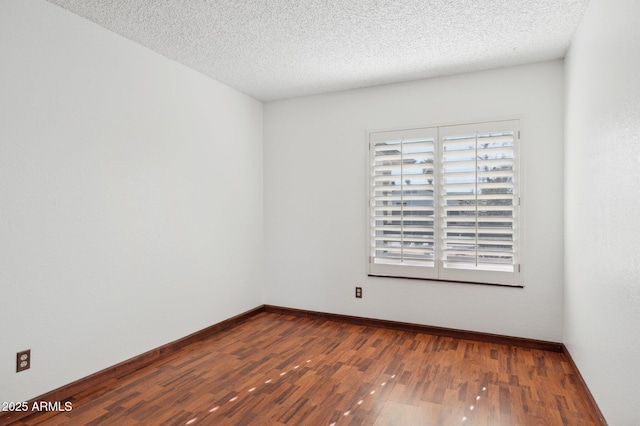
130	199
602	160
315	201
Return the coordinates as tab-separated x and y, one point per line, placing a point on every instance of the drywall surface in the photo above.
130	199
602	157
316	201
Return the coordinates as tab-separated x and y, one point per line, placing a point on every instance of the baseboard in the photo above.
591	401
418	328
129	366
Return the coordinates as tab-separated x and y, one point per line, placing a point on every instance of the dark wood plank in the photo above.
419	328
282	369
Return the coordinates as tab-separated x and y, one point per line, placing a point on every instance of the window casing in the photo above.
445	203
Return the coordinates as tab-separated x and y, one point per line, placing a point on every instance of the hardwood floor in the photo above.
279	369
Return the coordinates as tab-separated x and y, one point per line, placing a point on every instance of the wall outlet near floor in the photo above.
359	292
23	360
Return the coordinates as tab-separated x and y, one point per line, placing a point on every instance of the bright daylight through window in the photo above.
444	203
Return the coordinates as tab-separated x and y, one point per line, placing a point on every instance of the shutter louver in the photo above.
478	199
403	185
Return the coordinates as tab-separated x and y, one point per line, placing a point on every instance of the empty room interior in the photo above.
268	200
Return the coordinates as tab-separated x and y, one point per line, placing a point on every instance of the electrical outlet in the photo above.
23	360
359	292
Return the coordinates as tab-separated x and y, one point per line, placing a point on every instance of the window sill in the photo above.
449	281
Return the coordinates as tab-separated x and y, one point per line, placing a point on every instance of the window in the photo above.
444	203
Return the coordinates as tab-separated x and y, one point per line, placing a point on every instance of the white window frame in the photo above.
507	274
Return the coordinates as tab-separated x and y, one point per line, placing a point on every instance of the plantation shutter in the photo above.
444	203
402	213
479	202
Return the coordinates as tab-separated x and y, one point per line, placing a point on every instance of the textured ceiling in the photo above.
274	49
